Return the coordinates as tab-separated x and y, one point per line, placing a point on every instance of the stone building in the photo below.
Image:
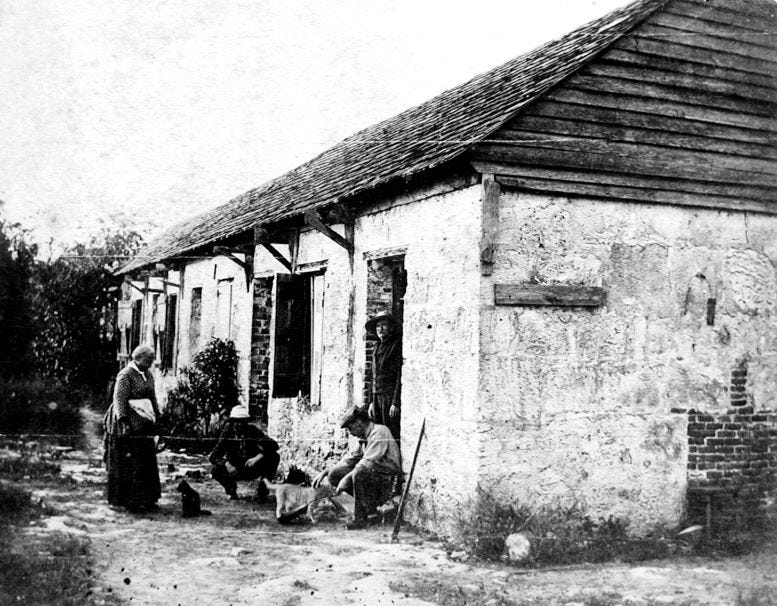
581	246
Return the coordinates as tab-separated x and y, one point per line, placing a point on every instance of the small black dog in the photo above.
296	476
190	501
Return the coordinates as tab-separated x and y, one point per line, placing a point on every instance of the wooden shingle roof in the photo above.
416	140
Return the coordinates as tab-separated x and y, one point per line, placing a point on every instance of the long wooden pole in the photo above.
401	509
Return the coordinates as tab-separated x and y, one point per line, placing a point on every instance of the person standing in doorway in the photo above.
385	403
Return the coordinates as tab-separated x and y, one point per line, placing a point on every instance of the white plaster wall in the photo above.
308	432
440	231
206	273
576	403
440	340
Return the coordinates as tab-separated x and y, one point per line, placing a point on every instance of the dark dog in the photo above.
190	501
296	476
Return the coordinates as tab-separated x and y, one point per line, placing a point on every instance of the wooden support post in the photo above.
140	290
247	264
490	223
294	249
313	219
262	236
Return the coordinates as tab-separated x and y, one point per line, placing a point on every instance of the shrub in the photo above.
558	534
206	391
39	406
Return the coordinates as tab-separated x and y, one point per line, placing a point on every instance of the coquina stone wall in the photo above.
590	405
437	230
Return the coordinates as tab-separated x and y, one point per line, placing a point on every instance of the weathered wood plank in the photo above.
723	164
641	163
762	37
666	48
548	294
669	124
724	191
277	255
490	224
313	219
616	132
660	108
726	44
646	88
635	194
737	13
737	93
693	68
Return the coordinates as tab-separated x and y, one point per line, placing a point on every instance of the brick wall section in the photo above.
732	460
259	378
379	298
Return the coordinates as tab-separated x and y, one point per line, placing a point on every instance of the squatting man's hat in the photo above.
352	415
239	412
383	316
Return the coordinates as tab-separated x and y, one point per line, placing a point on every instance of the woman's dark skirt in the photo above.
133	475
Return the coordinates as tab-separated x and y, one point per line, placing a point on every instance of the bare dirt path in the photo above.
241	555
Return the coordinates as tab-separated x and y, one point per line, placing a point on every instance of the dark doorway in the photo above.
386	287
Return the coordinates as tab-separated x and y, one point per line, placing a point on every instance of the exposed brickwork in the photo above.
732	459
259	380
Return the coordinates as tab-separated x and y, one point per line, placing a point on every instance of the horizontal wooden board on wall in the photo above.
648	121
640	161
742	14
545	294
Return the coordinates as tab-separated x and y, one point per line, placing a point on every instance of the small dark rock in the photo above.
127	580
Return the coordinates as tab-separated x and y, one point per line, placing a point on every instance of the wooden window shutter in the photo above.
291	364
168	352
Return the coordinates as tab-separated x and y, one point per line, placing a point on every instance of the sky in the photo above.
144	113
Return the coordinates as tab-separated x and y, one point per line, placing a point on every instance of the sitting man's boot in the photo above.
356	524
262	492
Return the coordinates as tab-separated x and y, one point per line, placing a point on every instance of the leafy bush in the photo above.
39	406
558	535
206	391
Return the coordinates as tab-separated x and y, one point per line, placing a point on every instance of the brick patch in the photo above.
259	379
732	460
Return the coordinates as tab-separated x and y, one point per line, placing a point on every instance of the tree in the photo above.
74	305
17	265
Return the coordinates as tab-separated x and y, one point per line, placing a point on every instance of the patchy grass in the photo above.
565	535
558	535
45	569
39	568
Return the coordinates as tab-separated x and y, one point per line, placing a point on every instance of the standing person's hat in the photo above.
383	316
352	415
239	412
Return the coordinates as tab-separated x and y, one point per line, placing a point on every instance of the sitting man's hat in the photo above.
354	414
239	412
383	316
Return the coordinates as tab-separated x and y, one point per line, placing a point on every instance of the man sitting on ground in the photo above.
243	452
368	469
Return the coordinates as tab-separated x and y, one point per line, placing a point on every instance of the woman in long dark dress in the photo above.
130	449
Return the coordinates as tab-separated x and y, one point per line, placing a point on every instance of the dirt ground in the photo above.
241	555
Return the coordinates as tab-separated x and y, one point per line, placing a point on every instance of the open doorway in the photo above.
386	286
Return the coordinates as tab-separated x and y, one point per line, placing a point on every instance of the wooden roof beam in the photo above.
247	264
262	237
313	218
